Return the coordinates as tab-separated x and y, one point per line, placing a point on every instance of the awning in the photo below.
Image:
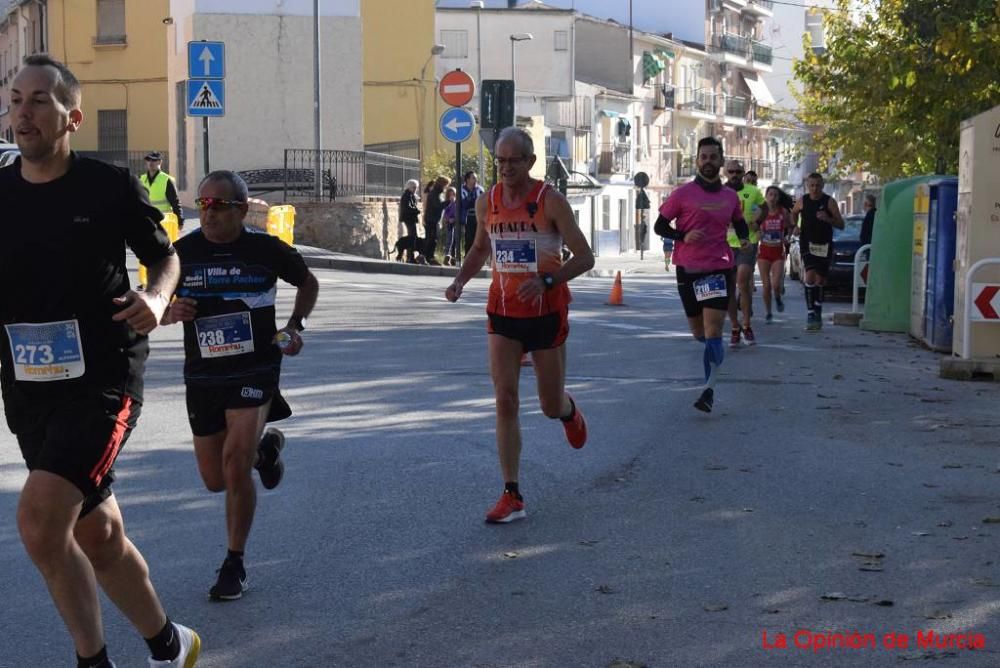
651	65
609	113
759	90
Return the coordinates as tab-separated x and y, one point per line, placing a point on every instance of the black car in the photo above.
846	243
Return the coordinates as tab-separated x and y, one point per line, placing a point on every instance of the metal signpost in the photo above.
206	85
457	125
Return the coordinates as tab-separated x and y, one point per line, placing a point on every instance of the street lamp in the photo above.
517	37
436	50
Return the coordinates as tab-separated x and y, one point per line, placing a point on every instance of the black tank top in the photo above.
814	230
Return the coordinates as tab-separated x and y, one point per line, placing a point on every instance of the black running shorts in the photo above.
541	333
207	405
821	265
77	438
686	287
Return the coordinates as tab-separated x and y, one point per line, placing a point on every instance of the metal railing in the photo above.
347	173
614	159
736	106
701	99
732	43
761	53
134	160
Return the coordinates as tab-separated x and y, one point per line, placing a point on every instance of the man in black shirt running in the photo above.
232	355
820	214
73	348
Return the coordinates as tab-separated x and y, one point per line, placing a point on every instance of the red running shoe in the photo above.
748	336
734	338
576	429
508	509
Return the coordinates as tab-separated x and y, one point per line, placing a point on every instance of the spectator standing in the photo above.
409	215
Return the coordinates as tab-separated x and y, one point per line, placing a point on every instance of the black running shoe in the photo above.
704	402
269	466
231	584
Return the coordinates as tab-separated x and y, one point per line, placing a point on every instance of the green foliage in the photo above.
442	163
897	79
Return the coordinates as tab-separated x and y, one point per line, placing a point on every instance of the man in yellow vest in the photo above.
162	192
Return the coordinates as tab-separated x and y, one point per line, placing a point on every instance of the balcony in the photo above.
737	45
614	158
736	107
762	54
761	8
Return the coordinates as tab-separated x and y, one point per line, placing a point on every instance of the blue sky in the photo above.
657	16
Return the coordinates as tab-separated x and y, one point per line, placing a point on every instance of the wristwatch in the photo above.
549	281
298	321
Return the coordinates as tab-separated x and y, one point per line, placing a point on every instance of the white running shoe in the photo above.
190	649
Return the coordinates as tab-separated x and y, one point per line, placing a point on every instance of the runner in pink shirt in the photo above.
704	210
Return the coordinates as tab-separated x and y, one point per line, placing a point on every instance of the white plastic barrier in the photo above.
857	275
967	322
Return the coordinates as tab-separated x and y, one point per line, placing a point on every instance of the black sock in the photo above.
99	660
165	645
512	488
810	298
572	411
234	556
818	297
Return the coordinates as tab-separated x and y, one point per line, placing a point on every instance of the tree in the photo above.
442	163
896	79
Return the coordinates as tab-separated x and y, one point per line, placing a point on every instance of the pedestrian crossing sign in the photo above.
206	97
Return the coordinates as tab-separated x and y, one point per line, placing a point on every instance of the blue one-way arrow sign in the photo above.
457	124
206	60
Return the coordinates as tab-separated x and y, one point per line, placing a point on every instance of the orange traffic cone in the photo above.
616	298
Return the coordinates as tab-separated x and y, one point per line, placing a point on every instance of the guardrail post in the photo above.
857	274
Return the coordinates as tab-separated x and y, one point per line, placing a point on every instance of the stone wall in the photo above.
367	228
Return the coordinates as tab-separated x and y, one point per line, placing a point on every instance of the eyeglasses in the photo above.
510	161
206	203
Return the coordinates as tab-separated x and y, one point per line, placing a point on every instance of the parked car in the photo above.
794	259
846	243
8	153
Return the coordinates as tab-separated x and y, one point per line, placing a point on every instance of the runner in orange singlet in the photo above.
526	223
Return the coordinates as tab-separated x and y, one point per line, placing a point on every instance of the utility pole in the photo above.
317	115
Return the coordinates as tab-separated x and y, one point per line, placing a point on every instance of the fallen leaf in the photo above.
930	485
837	376
952	466
697	499
603	589
588	543
715	607
984	582
938	614
871	568
834	596
868	555
960	538
921	533
510	555
772	611
991	520
885	603
748	510
945	524
893	463
715	467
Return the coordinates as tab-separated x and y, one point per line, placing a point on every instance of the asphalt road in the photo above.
674	538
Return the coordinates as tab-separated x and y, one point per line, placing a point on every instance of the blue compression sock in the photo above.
714	354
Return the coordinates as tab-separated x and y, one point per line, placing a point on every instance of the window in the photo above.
112	130
561	40
557	145
456	43
814	26
110	21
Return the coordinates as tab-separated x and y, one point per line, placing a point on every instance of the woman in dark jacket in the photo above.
409	215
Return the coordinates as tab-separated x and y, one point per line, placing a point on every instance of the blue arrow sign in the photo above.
206	97
206	60
457	124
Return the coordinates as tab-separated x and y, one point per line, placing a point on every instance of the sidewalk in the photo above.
604	267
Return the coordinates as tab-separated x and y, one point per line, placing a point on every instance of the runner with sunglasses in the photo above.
704	210
232	355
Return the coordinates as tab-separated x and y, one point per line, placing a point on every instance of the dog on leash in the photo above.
403	244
